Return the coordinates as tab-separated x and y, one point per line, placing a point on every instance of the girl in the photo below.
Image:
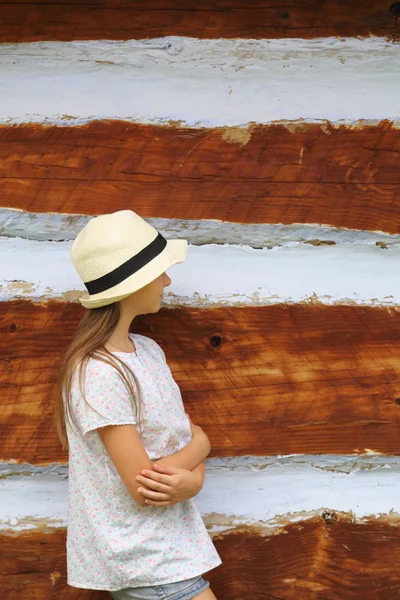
135	458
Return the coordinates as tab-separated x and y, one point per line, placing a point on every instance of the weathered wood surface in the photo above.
201	83
42	227
325	273
322	558
32	20
33	567
336	175
317	559
238	491
278	379
353	205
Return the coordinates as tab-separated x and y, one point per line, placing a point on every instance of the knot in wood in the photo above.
395	9
329	516
216	341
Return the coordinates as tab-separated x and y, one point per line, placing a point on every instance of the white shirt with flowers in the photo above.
112	542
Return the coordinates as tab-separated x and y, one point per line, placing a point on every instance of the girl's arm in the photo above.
168	483
190	456
200	471
126	450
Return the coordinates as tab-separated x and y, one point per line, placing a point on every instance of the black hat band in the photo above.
128	268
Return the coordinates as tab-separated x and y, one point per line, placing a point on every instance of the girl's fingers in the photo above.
153	484
160	477
158	503
164	469
153	495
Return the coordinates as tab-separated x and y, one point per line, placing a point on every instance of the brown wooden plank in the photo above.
320	558
31	20
317	559
339	176
33	567
278	379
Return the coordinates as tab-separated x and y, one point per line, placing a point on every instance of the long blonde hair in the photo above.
93	331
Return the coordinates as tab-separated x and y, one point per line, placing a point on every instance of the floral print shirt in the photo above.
113	542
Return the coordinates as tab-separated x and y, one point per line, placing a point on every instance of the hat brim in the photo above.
173	253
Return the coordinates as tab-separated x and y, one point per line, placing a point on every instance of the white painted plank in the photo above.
201	82
61	227
245	490
267	491
345	273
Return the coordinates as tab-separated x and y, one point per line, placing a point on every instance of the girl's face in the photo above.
148	299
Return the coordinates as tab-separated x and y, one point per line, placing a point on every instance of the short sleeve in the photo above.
159	352
108	401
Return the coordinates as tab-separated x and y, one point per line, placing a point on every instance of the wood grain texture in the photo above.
33	567
278	379
339	176
321	558
32	20
60	227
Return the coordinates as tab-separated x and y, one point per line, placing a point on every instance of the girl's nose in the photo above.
167	280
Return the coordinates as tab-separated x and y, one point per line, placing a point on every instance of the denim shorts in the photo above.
181	590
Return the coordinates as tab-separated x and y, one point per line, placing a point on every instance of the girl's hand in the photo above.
168	485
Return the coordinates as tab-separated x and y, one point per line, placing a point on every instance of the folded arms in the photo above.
167	481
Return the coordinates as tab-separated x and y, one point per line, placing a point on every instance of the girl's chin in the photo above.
158	305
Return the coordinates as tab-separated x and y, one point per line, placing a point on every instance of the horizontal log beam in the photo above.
209	83
237	491
352	205
281	153
334	274
321	558
310	173
300	563
39	226
104	19
279	379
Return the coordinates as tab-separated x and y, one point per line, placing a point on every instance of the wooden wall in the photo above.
36	20
268	136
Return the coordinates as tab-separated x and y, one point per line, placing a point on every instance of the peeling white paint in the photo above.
345	273
253	496
26	501
238	491
201	82
62	227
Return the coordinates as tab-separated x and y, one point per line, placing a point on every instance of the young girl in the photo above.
135	458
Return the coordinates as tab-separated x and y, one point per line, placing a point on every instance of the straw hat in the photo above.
119	253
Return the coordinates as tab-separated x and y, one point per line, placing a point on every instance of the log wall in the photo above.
270	379
326	542
268	136
339	176
135	19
